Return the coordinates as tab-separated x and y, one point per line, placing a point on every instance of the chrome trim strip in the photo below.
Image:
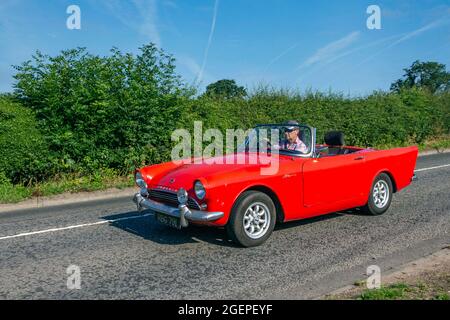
174	194
310	154
183	212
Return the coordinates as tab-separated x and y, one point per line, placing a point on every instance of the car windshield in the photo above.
290	139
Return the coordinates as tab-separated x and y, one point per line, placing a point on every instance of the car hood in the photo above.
214	171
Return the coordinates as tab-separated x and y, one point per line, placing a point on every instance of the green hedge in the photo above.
99	112
381	119
84	113
24	155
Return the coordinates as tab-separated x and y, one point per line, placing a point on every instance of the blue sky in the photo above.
319	44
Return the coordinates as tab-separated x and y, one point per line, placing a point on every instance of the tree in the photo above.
225	89
114	111
429	75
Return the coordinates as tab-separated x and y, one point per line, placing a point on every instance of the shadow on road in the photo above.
148	228
334	215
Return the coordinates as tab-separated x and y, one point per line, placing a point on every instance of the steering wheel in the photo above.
321	151
269	144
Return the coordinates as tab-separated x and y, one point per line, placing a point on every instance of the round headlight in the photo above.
140	182
182	196
199	189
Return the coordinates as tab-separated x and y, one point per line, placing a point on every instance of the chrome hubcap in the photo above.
256	220
380	194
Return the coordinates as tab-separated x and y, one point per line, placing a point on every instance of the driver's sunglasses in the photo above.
288	130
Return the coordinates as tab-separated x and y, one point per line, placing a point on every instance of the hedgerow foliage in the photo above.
381	119
24	154
115	111
85	113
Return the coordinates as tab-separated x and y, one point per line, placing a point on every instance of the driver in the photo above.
292	141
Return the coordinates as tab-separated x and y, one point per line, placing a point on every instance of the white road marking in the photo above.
128	218
431	168
74	226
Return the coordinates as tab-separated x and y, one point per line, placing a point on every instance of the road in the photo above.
124	255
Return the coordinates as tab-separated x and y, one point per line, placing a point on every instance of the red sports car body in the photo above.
237	196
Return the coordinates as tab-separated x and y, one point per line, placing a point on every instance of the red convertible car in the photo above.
310	180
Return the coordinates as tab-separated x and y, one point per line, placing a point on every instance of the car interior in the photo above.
334	145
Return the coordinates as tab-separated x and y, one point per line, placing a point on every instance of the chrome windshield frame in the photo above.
310	154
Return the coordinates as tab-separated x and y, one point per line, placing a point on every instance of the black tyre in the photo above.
252	219
380	196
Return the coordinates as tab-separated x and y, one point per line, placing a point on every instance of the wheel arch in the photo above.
391	176
276	201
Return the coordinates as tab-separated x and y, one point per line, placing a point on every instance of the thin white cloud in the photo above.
418	32
142	16
193	67
278	57
331	50
149	14
8	3
7	18
372	44
211	34
170	4
408	36
349	52
190	64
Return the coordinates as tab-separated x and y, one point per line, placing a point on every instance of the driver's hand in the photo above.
269	144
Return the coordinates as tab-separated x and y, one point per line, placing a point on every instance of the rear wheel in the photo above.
380	195
252	219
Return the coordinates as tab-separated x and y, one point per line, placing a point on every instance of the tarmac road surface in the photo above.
126	255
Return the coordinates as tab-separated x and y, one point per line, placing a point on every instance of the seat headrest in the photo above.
334	138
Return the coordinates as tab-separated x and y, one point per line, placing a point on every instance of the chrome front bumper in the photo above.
182	212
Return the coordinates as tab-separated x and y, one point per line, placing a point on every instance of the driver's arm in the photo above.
272	146
302	147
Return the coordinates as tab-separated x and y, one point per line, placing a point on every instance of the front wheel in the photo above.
252	219
380	195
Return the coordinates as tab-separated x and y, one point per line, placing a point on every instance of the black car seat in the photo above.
335	142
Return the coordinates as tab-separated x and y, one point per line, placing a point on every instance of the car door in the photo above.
333	180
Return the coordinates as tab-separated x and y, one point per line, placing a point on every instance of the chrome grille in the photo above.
170	198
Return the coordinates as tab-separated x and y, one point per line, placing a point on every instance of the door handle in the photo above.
359	158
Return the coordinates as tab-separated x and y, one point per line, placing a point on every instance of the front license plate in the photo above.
168	220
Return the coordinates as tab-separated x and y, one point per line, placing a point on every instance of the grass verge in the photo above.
437	143
427	278
434	290
72	183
